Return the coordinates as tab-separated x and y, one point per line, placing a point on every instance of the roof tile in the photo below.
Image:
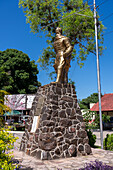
106	103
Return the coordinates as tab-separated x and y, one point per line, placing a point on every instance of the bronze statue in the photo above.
63	51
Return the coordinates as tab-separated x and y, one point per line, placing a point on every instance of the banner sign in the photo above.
19	101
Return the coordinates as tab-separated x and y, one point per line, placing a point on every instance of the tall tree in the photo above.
17	73
75	17
85	103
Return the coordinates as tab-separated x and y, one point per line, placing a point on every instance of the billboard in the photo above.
29	102
19	101
16	101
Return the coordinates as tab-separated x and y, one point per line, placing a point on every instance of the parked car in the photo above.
20	125
108	125
10	121
24	118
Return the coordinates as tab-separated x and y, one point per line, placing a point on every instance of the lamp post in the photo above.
98	75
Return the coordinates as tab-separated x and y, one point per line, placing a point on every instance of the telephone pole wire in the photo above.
98	75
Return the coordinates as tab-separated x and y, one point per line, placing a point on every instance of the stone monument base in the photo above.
59	129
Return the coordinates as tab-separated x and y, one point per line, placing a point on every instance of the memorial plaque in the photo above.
39	106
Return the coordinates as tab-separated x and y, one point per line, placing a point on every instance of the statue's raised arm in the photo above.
63	51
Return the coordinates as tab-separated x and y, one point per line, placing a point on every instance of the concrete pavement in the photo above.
97	133
73	163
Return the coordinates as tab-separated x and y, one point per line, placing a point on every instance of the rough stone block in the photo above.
80	148
55	113
66	154
68	90
80	140
59	139
55	97
45	155
45	129
68	111
74	141
75	122
85	140
83	125
57	151
65	147
45	116
67	98
64	91
70	104
62	114
54	107
31	138
87	149
56	157
43	109
54	102
48	123
47	141
72	150
80	118
34	153
66	140
82	133
59	129
69	135
72	129
65	122
78	111
57	134
58	90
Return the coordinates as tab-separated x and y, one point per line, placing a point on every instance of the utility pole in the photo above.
98	75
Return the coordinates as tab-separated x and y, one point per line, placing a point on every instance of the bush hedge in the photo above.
108	142
6	143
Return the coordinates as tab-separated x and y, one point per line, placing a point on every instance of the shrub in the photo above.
6	139
96	165
92	138
6	143
108	142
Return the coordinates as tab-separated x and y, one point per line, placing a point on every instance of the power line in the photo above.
102	3
108	32
107	16
68	16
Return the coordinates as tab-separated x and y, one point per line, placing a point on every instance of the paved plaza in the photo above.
73	163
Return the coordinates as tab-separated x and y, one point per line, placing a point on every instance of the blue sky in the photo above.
15	34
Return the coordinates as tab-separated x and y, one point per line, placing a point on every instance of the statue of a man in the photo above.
63	51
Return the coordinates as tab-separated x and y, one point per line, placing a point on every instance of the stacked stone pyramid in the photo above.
60	130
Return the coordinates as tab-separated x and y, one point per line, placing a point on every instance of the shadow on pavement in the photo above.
24	168
20	167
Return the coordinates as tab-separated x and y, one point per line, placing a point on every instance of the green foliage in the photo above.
71	82
105	119
6	139
6	143
2	106
89	124
90	115
92	138
108	142
17	73
85	103
42	17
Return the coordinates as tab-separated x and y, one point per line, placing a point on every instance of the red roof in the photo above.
106	103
